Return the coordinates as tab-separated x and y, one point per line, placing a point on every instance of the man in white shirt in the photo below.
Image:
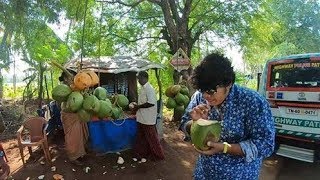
147	144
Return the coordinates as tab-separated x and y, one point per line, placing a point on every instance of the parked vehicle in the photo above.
292	86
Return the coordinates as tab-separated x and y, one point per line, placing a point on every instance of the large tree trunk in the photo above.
176	31
178	35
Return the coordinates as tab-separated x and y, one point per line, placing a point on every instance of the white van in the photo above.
292	86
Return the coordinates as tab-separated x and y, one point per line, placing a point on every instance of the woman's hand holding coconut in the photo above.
205	134
212	146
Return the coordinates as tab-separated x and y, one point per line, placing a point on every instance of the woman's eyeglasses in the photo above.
211	92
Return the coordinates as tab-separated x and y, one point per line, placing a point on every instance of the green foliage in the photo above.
240	78
246	80
26	31
143	27
252	84
8	91
282	28
153	30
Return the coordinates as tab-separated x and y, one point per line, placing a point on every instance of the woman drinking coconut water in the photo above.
247	134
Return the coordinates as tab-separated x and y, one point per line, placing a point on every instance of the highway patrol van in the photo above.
292	86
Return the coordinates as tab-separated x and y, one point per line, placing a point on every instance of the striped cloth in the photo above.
147	144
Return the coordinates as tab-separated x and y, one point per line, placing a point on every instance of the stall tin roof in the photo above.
113	64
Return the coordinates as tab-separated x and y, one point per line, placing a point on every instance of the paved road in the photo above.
280	168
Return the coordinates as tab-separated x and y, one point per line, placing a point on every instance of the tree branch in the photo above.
121	2
187	10
173	8
183	32
196	36
195	5
132	40
167	37
146	17
155	1
199	17
139	54
121	16
171	27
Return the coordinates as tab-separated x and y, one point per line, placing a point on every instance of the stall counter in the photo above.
109	136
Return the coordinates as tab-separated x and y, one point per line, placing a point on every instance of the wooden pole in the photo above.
159	124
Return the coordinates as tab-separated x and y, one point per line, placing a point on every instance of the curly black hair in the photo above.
214	70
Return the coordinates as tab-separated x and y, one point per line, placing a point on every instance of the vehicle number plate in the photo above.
309	112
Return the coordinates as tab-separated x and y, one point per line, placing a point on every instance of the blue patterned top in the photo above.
247	120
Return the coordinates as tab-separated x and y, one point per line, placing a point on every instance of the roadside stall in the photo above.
117	75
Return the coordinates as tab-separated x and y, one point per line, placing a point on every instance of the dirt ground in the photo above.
179	162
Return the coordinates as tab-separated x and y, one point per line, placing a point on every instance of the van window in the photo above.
297	74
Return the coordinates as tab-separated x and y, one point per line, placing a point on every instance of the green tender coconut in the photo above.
179	109
108	101
204	130
186	100
100	93
61	92
171	103
74	101
65	107
179	98
175	89
122	100
84	115
91	104
169	93
184	90
105	109
116	112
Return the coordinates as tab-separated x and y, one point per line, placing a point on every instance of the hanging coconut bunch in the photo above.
178	97
77	96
